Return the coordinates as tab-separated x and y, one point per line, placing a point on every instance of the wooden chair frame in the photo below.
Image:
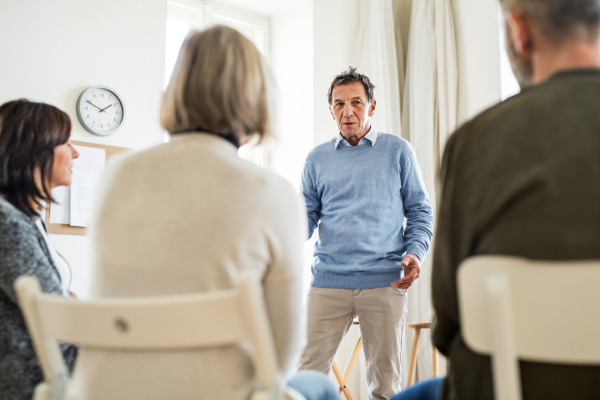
342	379
187	321
504	304
412	366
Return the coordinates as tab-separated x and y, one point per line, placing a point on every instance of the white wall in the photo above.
292	63
478	48
53	50
335	30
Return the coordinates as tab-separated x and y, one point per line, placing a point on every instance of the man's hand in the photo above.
412	269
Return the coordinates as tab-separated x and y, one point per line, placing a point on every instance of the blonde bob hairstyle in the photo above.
220	84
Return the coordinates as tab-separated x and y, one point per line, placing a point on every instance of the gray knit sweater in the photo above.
23	251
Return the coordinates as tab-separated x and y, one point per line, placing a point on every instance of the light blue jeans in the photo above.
426	390
313	385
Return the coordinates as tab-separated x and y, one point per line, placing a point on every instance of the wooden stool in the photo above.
336	371
413	357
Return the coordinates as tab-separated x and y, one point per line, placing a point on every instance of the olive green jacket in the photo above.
522	178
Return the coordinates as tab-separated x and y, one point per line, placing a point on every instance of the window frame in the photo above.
201	14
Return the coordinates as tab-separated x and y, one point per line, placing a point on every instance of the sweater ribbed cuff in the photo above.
417	250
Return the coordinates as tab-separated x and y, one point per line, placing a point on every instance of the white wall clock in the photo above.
100	110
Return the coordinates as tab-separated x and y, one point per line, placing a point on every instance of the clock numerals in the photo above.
96	109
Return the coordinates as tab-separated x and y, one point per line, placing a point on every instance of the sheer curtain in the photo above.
378	54
375	55
429	118
421	106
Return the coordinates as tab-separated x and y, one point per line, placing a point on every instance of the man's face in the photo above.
520	63
351	110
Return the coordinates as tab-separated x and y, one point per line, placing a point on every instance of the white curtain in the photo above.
376	55
429	118
420	106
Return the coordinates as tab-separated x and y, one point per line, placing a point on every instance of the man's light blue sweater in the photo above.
358	197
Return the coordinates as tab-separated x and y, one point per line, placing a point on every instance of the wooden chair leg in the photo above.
413	358
352	360
341	381
336	371
344	379
434	357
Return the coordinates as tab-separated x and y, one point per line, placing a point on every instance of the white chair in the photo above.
176	322
512	308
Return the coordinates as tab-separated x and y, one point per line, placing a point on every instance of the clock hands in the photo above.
101	109
87	101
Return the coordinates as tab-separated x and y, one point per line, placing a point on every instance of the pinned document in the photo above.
87	170
59	212
74	204
72	209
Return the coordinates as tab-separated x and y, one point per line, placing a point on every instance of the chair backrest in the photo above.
514	308
175	322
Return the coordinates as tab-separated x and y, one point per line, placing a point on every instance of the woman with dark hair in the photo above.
35	157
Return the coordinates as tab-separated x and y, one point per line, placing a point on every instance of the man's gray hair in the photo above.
350	76
560	19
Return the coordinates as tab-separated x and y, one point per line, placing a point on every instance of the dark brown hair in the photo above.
351	76
29	132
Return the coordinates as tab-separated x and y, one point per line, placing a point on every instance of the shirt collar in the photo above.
371	136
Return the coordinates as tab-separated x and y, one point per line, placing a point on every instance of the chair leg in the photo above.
341	380
434	361
413	358
353	359
41	392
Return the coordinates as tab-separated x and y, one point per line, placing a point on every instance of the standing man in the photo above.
359	187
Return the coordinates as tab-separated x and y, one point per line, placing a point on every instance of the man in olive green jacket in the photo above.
523	178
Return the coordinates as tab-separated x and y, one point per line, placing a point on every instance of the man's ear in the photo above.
372	108
331	111
520	32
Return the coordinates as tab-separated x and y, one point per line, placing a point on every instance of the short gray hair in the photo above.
559	19
221	84
350	76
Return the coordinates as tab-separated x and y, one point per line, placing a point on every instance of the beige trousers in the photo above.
381	313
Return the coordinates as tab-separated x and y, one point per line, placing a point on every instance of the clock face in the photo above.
100	110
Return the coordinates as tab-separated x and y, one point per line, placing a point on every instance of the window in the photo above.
186	15
181	20
509	85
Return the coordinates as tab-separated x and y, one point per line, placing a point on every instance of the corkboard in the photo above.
65	229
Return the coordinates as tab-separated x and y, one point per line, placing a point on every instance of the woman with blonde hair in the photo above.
187	216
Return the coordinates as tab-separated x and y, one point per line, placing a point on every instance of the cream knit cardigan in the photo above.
185	217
